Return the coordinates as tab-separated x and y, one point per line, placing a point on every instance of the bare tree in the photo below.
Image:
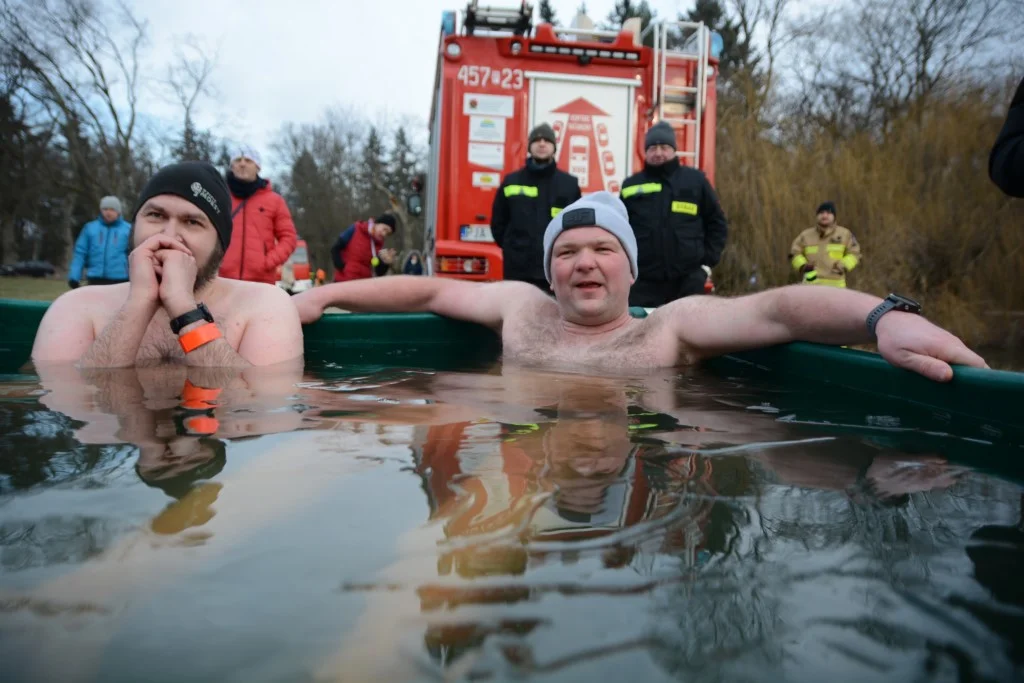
86	77
896	54
80	67
189	79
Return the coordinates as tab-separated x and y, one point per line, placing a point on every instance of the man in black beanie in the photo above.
679	225
174	307
525	203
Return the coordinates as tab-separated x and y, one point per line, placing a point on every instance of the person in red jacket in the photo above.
359	252
263	235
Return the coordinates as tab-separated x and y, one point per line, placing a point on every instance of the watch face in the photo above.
904	302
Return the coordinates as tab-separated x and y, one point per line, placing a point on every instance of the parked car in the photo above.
31	268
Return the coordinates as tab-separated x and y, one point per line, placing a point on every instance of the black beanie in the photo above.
199	183
660	133
387	219
826	206
542	132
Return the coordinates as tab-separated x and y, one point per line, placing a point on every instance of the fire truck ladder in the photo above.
689	42
518	20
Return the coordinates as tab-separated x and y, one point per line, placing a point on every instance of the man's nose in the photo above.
172	229
586	260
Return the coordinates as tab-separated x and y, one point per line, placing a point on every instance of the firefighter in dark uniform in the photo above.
679	225
525	204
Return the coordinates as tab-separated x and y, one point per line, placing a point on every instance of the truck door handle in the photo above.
481	217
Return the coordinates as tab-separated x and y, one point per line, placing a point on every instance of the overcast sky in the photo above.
289	61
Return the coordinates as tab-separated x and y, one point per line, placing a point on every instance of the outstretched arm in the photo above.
483	303
712	326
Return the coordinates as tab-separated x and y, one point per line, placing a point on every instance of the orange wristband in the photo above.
198	398
199	336
202	424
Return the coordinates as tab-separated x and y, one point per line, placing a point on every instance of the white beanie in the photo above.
248	152
598	210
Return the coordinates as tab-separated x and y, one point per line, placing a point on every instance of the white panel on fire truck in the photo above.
486	129
592	119
487	155
488	105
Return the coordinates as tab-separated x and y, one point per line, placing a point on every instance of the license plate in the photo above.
476	233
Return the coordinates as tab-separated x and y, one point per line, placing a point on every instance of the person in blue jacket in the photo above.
101	249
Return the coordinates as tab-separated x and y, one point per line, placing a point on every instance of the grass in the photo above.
931	224
32	288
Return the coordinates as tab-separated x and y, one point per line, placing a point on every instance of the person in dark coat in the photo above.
1006	163
524	205
679	225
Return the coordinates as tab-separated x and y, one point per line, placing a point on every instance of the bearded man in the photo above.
174	307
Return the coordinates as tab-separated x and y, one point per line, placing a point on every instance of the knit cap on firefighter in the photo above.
110	202
601	210
199	183
826	206
660	133
542	132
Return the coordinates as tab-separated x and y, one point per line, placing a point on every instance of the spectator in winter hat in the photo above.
263	235
101	250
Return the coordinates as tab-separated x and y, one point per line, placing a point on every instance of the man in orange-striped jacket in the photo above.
824	254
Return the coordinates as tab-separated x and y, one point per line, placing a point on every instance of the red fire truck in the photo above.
498	76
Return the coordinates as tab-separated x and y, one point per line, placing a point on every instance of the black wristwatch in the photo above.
200	312
893	302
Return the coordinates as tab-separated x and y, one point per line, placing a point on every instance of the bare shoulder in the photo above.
251	299
693	313
270	328
521	298
74	320
681	309
521	291
486	303
90	302
526	307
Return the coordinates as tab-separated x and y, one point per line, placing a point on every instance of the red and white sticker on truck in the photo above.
593	118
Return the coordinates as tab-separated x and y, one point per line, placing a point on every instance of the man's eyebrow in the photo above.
599	242
195	216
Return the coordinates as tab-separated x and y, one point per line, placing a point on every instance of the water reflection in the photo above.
396	524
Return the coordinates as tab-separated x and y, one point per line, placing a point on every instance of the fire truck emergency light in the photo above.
457	264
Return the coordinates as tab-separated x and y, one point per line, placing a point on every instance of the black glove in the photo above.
73	284
805	268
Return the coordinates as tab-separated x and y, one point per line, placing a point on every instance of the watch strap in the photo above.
891	303
876	315
200	312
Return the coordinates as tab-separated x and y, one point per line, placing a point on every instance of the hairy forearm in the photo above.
118	343
821	314
394	294
216	354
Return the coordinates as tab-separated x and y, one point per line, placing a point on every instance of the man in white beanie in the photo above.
590	259
263	235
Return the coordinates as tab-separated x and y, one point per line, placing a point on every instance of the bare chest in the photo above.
541	342
160	345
